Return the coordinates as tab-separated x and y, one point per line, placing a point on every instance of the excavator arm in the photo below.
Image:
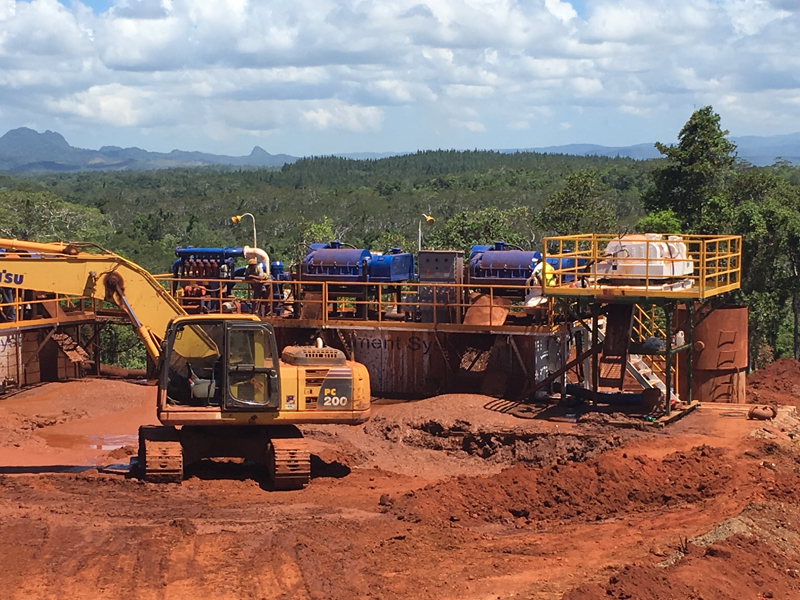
90	271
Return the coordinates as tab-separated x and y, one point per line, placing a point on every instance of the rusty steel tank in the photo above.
719	356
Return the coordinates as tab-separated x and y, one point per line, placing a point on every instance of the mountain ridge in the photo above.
24	149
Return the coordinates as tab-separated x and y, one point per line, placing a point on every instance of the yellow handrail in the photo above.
652	265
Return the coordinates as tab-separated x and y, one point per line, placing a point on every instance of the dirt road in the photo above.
444	498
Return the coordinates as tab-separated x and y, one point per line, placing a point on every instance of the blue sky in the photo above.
327	76
98	6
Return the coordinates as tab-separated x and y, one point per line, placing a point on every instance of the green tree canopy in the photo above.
692	181
44	217
582	206
767	215
482	226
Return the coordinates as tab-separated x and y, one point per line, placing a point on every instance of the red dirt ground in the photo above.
448	498
778	382
735	568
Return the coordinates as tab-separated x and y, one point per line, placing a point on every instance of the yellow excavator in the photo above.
223	389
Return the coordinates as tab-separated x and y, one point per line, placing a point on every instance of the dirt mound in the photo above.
738	567
509	446
777	382
594	490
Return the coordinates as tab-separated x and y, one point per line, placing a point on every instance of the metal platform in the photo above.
674	282
614	268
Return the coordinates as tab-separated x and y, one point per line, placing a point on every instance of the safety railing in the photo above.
648	323
401	304
25	307
642	265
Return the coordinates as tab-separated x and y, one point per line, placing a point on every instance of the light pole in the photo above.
430	221
238	219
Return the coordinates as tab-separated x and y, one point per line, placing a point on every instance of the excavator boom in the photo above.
90	271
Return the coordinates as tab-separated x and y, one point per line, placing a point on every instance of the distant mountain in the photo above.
767	149
24	149
758	150
639	151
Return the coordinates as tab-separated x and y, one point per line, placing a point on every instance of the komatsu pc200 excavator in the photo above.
224	390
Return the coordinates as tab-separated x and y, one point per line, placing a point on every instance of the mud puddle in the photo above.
93	442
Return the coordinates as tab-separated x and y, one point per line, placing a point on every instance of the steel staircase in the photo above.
640	368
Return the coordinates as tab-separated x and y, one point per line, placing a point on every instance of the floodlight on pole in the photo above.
428	220
238	219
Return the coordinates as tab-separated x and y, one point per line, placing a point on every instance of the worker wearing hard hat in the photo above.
254	269
254	274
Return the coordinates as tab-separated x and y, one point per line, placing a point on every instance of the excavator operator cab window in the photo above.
252	378
194	370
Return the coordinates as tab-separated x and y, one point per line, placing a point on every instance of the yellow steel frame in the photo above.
339	303
645	325
717	262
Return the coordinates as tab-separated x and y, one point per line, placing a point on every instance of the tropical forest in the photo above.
699	186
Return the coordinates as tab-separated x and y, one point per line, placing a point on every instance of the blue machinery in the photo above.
500	265
497	264
333	262
350	272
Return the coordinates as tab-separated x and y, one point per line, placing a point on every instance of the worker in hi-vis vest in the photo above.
549	273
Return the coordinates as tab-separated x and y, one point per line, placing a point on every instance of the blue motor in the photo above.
564	264
393	267
205	263
500	265
206	266
335	263
331	262
277	273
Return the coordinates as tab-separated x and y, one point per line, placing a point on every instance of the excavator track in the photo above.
289	463
160	454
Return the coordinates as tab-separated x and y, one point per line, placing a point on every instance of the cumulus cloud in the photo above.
119	105
473	126
342	116
478	68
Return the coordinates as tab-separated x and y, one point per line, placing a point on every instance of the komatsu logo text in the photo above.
6	277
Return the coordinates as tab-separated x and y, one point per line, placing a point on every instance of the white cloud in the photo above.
445	68
346	117
563	10
751	16
7	9
460	90
633	110
113	104
401	91
585	86
40	28
473	126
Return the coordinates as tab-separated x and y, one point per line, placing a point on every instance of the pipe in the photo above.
257	253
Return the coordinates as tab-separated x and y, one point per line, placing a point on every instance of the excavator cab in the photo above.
225	363
252	369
